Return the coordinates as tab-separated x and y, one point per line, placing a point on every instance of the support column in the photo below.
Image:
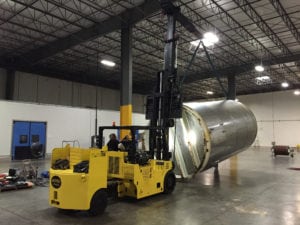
231	93
10	84
126	79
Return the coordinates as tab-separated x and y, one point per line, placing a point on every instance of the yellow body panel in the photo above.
76	190
125	119
136	180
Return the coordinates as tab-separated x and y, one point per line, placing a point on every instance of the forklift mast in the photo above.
165	104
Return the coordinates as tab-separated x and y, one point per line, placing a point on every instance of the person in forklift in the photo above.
141	142
113	142
125	144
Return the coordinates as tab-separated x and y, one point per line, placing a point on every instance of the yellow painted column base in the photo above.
125	119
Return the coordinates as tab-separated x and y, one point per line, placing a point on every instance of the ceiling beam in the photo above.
114	23
286	18
240	69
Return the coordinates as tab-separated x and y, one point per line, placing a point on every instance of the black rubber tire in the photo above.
67	211
98	203
169	182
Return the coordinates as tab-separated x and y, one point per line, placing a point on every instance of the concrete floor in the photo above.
252	188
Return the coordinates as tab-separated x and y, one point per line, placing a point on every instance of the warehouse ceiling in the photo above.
67	38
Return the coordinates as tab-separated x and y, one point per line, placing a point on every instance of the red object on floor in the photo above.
294	168
282	150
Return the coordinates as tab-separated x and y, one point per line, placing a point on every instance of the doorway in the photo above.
28	140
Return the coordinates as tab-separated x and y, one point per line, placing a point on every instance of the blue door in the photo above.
29	140
37	139
20	139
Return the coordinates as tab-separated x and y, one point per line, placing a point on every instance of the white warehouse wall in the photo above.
63	123
35	88
277	115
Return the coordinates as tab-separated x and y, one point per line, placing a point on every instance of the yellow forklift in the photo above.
82	179
91	175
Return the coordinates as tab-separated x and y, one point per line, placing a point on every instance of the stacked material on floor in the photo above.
10	181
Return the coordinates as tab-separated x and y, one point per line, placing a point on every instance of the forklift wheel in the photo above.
169	182
67	211
98	203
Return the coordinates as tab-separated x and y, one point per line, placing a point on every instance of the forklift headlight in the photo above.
56	182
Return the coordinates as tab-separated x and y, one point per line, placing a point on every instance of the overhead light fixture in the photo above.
209	36
259	68
108	63
284	84
263	78
209	39
209	93
296	92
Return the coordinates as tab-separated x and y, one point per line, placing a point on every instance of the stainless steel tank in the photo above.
210	132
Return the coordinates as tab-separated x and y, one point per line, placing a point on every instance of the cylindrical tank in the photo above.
210	132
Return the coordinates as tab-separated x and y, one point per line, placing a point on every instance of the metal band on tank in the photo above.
207	140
